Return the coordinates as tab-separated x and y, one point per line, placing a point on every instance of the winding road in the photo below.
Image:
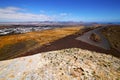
86	38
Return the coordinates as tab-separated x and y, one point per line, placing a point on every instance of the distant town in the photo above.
18	28
21	29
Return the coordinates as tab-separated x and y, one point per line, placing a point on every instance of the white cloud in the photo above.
19	14
64	14
9	10
14	13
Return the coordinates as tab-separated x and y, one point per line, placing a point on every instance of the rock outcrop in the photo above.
66	64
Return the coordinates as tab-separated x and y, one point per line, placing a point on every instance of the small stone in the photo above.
60	68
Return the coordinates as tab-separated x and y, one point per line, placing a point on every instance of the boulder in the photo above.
94	37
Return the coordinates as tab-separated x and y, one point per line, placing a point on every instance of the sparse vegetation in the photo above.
112	33
9	50
19	43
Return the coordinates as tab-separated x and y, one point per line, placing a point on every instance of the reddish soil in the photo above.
69	42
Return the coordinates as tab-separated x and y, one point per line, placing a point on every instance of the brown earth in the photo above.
51	40
65	64
112	33
16	44
70	42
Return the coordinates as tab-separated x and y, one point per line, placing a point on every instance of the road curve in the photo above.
86	38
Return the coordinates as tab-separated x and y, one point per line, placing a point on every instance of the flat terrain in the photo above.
13	45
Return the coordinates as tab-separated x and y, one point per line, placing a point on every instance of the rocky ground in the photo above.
66	64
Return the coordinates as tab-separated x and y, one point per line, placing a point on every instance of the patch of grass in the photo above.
13	49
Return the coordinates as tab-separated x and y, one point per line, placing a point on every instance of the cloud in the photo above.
9	10
14	13
64	14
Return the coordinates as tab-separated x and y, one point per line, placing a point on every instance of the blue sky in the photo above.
60	10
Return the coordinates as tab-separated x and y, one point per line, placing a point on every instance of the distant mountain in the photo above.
42	23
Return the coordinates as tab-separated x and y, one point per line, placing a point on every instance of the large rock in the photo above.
66	64
94	37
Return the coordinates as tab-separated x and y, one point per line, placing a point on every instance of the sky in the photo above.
60	10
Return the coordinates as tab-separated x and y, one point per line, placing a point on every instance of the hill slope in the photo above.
112	33
66	64
14	45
